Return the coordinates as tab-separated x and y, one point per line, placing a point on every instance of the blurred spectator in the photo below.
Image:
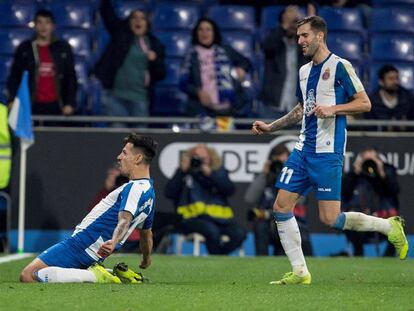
49	61
130	64
200	189
390	101
283	58
371	188
212	75
261	195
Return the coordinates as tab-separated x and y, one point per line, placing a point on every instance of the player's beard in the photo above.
312	49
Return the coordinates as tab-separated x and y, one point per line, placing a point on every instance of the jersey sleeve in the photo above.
129	198
348	79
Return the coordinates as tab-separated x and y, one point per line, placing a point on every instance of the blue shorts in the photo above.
304	171
66	254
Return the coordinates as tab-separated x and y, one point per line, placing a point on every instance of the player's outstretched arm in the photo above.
292	117
145	245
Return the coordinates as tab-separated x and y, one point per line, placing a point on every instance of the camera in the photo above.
276	167
370	169
195	162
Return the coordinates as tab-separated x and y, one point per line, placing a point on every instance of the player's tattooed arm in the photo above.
292	117
124	219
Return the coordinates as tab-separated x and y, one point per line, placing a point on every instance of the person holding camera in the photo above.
200	189
371	188
260	195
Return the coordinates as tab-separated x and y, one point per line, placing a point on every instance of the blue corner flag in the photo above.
20	116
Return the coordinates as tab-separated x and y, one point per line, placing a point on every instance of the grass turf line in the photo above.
225	283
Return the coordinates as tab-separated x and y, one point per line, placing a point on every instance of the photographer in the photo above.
260	195
371	188
200	188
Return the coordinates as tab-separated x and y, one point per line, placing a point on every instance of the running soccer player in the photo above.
328	90
106	227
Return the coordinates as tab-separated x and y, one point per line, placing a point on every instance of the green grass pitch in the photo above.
224	283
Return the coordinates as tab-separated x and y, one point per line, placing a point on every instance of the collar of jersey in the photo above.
324	61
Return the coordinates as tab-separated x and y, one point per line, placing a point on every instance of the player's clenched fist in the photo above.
259	127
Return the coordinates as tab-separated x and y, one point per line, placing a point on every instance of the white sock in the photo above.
65	275
292	244
363	222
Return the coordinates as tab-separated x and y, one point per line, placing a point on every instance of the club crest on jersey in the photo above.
310	101
326	74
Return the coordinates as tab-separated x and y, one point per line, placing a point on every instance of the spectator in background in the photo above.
371	188
212	75
200	189
390	101
260	196
283	58
131	63
49	61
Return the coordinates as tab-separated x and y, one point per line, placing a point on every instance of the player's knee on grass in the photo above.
27	276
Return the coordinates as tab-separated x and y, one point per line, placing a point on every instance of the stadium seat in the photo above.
406	74
177	43
168	101
241	41
392	20
202	4
392	3
342	19
5	64
79	40
173	72
126	7
173	16
392	48
233	17
270	17
72	15
197	239
16	14
347	45
82	78
11	38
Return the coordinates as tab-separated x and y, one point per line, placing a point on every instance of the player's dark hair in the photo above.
386	69
317	24
216	31
44	13
146	144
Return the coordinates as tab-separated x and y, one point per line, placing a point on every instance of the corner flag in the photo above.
20	120
20	116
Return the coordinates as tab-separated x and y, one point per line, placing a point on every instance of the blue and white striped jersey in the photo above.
332	82
136	196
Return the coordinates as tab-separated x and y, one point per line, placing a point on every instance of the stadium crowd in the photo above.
180	70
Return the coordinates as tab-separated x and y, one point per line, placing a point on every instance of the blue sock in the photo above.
340	222
282	216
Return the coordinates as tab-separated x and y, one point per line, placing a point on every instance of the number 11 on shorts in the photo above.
286	175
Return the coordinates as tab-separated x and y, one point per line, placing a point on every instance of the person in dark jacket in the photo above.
131	63
208	78
283	58
49	62
200	189
390	101
372	188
